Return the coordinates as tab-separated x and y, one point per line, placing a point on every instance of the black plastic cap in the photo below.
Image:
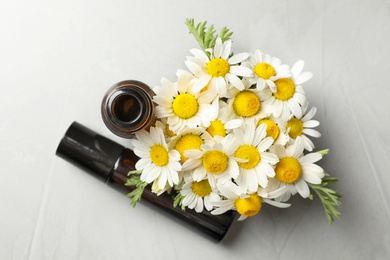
90	151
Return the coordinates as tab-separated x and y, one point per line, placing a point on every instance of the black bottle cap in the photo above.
90	151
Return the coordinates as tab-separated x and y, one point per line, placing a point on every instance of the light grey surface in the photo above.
57	58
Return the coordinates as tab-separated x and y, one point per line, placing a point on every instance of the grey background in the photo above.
57	59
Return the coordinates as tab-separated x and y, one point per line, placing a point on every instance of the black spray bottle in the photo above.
124	112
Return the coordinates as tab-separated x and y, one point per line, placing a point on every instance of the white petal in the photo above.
310	158
238	58
313	169
310	114
269	158
233	168
302	188
163	178
199	205
218	48
229	190
296	149
312	178
226	49
220	84
311	123
265	144
235	81
142	163
241	71
222	210
191	164
232	124
305	76
199	174
200	55
300	98
276	203
312	132
297	68
260	85
194	68
294	107
201	83
307	143
278	108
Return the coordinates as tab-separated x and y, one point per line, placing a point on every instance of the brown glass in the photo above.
214	226
111	162
127	107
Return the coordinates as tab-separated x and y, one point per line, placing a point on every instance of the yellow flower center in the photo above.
250	153
159	155
217	67
296	127
248	206
201	188
246	104
188	142
216	128
272	128
288	170
215	161
185	106
264	70
205	88
168	131
285	89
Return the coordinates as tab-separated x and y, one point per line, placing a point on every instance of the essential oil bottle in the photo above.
127	107
111	162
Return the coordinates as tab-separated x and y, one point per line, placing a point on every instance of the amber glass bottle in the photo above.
127	107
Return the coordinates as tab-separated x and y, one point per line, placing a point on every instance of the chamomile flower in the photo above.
247	205
219	70
156	161
188	139
198	194
223	125
247	105
162	123
182	106
274	130
289	96
295	169
252	147
266	69
214	162
303	127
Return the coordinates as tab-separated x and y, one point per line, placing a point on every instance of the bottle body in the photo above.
215	226
111	163
127	107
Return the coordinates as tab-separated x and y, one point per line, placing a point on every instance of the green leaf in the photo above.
329	198
323	152
205	36
179	201
140	186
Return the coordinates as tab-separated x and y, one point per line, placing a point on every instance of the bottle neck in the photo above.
128	107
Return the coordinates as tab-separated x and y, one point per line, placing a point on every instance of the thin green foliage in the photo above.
179	201
329	198
206	36
135	180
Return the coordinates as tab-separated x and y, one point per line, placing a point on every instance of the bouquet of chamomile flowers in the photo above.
233	132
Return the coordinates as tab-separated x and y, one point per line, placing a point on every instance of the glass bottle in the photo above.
111	162
127	107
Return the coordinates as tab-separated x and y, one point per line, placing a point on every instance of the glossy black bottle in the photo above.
111	162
